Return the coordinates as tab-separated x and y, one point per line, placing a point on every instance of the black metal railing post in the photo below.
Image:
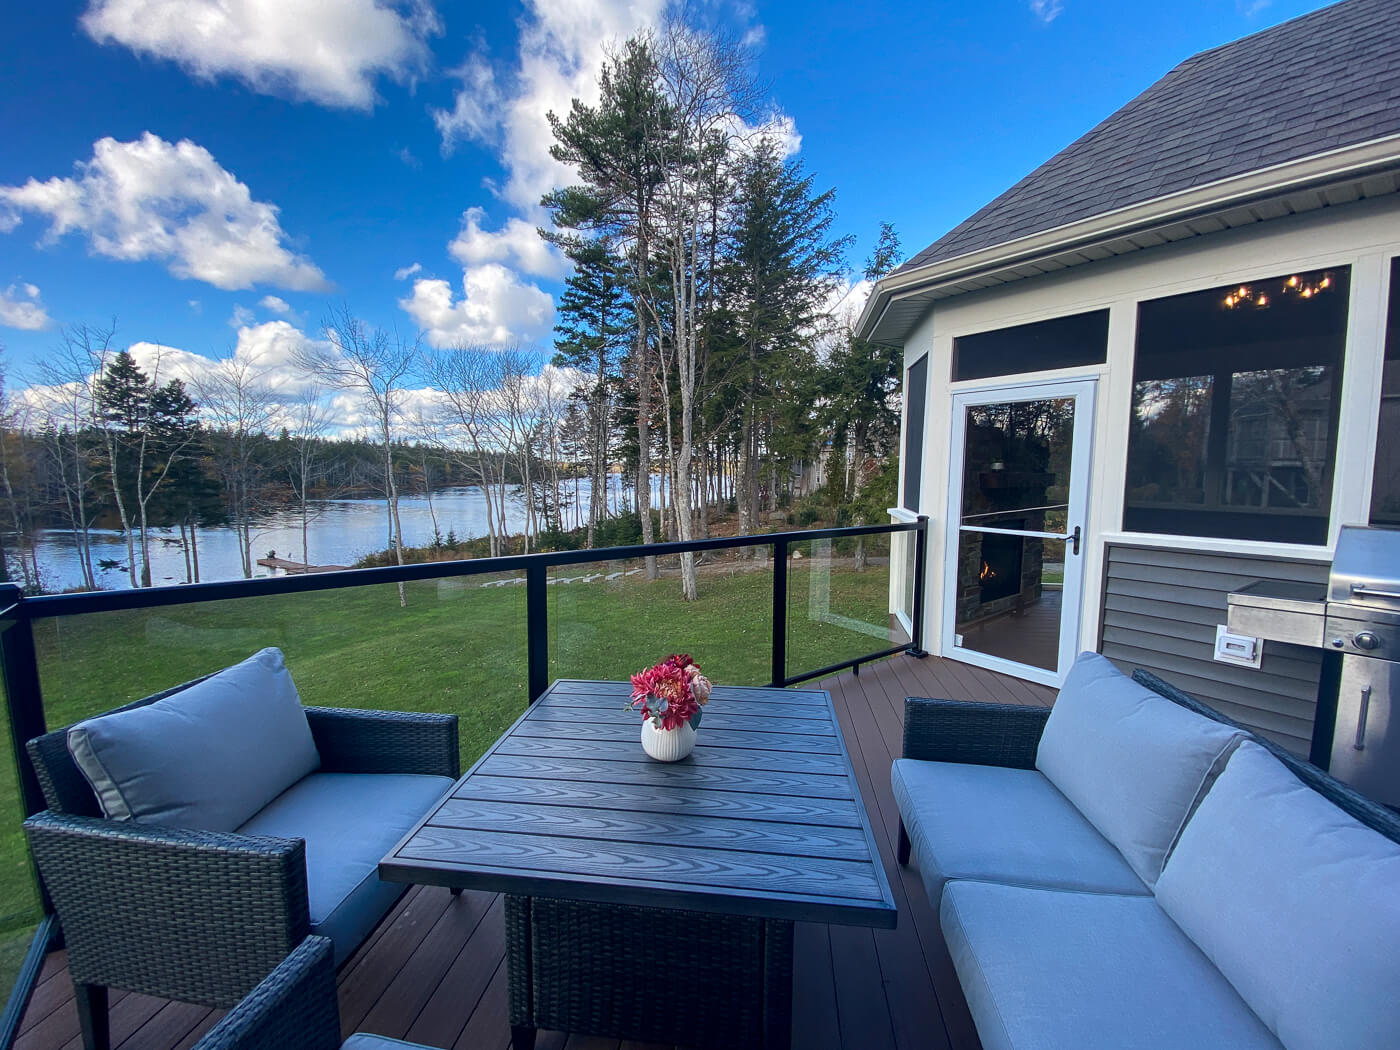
920	565
537	629
780	563
25	702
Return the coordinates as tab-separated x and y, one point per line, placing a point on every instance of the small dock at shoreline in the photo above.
297	568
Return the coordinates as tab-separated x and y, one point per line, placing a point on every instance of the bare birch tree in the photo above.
239	405
374	365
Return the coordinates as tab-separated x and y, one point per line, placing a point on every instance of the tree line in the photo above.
696	342
704	266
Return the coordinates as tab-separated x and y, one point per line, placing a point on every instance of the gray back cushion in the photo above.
1134	763
1297	904
208	757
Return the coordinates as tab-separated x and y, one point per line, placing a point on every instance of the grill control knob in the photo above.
1366	640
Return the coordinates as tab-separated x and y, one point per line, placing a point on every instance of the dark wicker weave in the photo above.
1008	735
554	948
973	733
199	916
186	914
293	1008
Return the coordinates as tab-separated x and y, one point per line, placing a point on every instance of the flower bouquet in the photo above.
670	697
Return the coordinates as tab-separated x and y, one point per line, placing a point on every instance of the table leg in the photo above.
777	984
519	982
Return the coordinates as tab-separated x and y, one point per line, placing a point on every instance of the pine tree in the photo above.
784	265
594	330
862	379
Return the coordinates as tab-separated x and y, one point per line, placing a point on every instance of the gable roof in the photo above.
1320	82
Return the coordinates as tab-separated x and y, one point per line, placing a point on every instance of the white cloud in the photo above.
403	273
496	309
327	51
1047	10
276	304
21	307
268	351
562	48
517	243
473	113
196	306
847	299
150	199
241	316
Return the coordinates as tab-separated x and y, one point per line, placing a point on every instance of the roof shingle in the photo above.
1319	82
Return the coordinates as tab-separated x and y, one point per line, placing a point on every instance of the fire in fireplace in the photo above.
1000	576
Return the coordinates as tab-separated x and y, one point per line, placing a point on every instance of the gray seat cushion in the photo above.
1296	902
1060	970
349	821
207	757
1002	825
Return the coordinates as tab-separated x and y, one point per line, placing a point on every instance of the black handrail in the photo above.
23	688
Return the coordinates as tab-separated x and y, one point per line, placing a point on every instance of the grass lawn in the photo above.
456	646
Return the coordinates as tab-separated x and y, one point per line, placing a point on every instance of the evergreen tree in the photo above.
783	266
862	379
595	327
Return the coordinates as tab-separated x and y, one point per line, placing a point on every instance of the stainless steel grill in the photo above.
1363	623
1357	621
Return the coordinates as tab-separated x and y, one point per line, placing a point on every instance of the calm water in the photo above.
339	533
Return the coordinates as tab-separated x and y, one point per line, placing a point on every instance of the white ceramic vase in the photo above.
667	745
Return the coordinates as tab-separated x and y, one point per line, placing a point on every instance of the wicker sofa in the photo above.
1130	869
199	899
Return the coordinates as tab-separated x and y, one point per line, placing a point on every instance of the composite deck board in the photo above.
434	970
787	809
789	840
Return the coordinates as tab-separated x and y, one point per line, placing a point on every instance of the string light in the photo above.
1306	286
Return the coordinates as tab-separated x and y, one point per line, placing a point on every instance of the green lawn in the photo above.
457	646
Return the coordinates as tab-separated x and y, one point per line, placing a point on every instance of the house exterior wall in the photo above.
1160	608
1364	235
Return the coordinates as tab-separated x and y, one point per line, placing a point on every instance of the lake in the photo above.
340	533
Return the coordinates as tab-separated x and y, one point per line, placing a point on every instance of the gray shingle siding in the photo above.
1316	83
1160	611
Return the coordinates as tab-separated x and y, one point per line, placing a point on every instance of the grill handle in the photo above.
1365	711
1362	591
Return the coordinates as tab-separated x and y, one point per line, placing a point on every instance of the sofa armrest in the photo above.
294	1008
192	915
353	741
973	733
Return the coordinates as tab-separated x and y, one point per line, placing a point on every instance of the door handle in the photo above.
1073	537
1360	744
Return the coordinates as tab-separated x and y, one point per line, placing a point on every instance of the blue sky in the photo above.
219	175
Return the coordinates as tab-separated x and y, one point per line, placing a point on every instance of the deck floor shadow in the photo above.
434	971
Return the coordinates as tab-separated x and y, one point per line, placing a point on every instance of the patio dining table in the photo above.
655	901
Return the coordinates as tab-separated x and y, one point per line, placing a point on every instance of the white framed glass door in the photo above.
1017	499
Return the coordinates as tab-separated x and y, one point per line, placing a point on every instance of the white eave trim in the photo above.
1291	176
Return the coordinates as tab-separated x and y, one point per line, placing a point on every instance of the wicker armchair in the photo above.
186	914
294	1008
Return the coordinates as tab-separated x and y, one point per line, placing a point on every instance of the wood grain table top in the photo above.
763	819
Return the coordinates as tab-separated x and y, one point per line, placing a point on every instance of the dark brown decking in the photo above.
433	972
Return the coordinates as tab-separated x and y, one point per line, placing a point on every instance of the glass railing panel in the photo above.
608	619
19	900
452	644
839	602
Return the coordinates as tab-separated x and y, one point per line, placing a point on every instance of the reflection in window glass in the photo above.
1235	395
1385	489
